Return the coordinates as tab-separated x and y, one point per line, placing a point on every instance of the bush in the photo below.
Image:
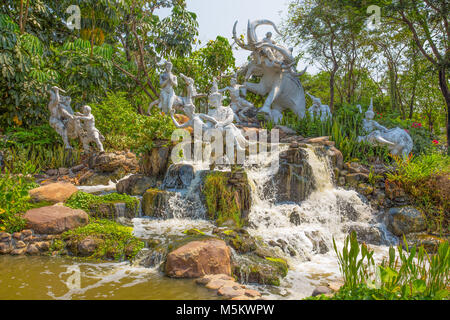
427	179
124	128
14	201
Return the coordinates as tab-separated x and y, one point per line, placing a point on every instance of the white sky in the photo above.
217	17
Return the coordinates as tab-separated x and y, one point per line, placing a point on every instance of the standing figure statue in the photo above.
319	110
238	104
167	82
60	116
398	141
89	133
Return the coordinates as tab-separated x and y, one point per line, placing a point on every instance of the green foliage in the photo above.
14	201
114	241
124	128
89	202
427	179
413	275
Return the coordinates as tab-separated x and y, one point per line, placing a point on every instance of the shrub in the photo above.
426	179
14	201
124	128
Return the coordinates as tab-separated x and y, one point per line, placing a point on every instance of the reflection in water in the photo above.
42	278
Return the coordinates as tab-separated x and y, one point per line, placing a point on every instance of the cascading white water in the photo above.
305	230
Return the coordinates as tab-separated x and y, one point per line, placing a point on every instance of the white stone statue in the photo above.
398	141
238	104
61	116
319	110
70	125
89	133
276	67
359	108
225	117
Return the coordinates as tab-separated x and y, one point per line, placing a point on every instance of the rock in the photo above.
52	172
18	252
179	176
242	298
136	185
43	246
231	291
16	235
337	159
5	247
32	249
114	162
63	171
20	245
405	220
365	233
199	258
294	180
252	293
55	219
393	190
365	189
321	290
54	192
255	269
5	237
155	203
154	163
429	242
218	283
325	141
78	168
114	210
211	277
335	286
341	181
88	246
354	179
27	233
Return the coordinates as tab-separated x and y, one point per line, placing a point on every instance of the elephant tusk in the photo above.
384	141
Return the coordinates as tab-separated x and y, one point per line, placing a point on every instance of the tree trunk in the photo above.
446	93
332	77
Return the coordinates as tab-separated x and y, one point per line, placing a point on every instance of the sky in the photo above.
217	17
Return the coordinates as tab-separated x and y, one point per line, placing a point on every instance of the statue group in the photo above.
271	62
71	125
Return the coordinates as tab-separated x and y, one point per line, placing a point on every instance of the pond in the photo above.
56	278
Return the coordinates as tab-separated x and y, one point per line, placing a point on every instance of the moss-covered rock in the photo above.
227	197
239	239
111	206
102	240
155	203
255	269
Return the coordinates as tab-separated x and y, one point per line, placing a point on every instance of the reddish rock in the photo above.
18	252
17	235
55	219
231	291
20	245
54	192
27	233
199	258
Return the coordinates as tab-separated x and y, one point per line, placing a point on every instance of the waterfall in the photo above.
304	231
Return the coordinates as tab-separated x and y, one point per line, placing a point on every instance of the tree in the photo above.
329	32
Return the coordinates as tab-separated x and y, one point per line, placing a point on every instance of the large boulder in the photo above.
136	185
179	176
199	258
55	219
294	180
112	162
53	192
405	220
